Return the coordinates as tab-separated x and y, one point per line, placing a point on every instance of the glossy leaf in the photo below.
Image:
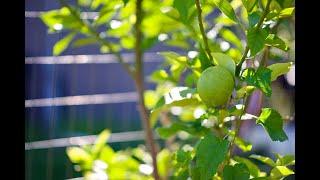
159	76
150	98
62	44
279	172
279	69
244	91
78	155
237	172
100	141
272	122
183	7
260	79
164	162
104	16
249	4
254	18
287	12
264	159
226	8
84	42
286	160
63	18
253	169
180	103
207	162
275	41
256	40
242	144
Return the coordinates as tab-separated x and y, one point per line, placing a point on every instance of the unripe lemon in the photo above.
215	86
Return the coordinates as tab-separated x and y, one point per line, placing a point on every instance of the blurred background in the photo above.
82	92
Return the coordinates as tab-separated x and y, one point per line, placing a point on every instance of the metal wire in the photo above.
83	15
151	57
83	100
84	140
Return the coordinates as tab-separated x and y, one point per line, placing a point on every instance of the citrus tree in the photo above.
226	51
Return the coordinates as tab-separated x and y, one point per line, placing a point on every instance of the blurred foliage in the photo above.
241	31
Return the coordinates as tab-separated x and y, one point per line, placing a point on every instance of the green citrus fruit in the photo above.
225	61
215	86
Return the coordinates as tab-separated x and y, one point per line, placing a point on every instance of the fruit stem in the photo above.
204	37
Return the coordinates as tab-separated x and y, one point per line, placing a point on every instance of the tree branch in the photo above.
204	37
140	89
243	58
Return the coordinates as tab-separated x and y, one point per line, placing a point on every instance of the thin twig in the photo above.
243	58
237	130
140	89
204	37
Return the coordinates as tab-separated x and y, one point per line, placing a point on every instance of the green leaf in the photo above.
127	42
260	178
183	7
62	44
280	172
104	16
286	160
150	98
254	18
272	121
275	41
125	2
224	61
147	43
226	8
237	172
224	21
210	153
173	98
107	154
188	91
182	159
256	40
204	59
84	42
279	69
260	79
264	159
78	155
244	91
164	162
159	76
95	4
84	3
194	171
60	19
172	57
122	30
253	169
287	12
249	4
242	144
100	142
231	37
193	128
